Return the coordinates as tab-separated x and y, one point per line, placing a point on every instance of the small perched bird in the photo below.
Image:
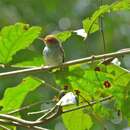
53	52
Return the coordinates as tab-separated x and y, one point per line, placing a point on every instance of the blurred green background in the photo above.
60	15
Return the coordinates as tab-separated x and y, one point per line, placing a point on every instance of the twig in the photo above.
86	101
69	63
21	125
18	120
48	113
102	33
14	66
38	112
24	108
101	26
86	105
49	116
48	84
4	128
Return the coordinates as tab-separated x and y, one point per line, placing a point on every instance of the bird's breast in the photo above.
52	56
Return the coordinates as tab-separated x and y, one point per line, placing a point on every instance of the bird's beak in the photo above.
42	39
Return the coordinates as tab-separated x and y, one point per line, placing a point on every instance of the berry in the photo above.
107	84
66	87
77	92
97	69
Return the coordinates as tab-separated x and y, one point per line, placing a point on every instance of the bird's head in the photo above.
50	40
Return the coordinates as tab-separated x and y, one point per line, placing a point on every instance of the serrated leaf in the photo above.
77	120
14	38
13	97
63	36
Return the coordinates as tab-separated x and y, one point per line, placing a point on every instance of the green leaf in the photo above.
126	104
122	5
121	76
120	87
86	26
14	38
90	82
14	97
100	123
27	57
77	120
63	36
90	26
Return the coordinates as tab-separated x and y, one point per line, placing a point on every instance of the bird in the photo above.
53	51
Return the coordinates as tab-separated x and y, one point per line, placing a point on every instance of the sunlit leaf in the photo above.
14	38
122	5
63	36
27	57
86	26
122	76
91	25
91	82
77	120
13	97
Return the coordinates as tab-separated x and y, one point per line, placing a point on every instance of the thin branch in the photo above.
86	101
101	26
86	105
14	66
21	125
4	128
18	120
38	112
102	33
54	115
24	108
48	117
27	107
48	113
48	84
65	64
